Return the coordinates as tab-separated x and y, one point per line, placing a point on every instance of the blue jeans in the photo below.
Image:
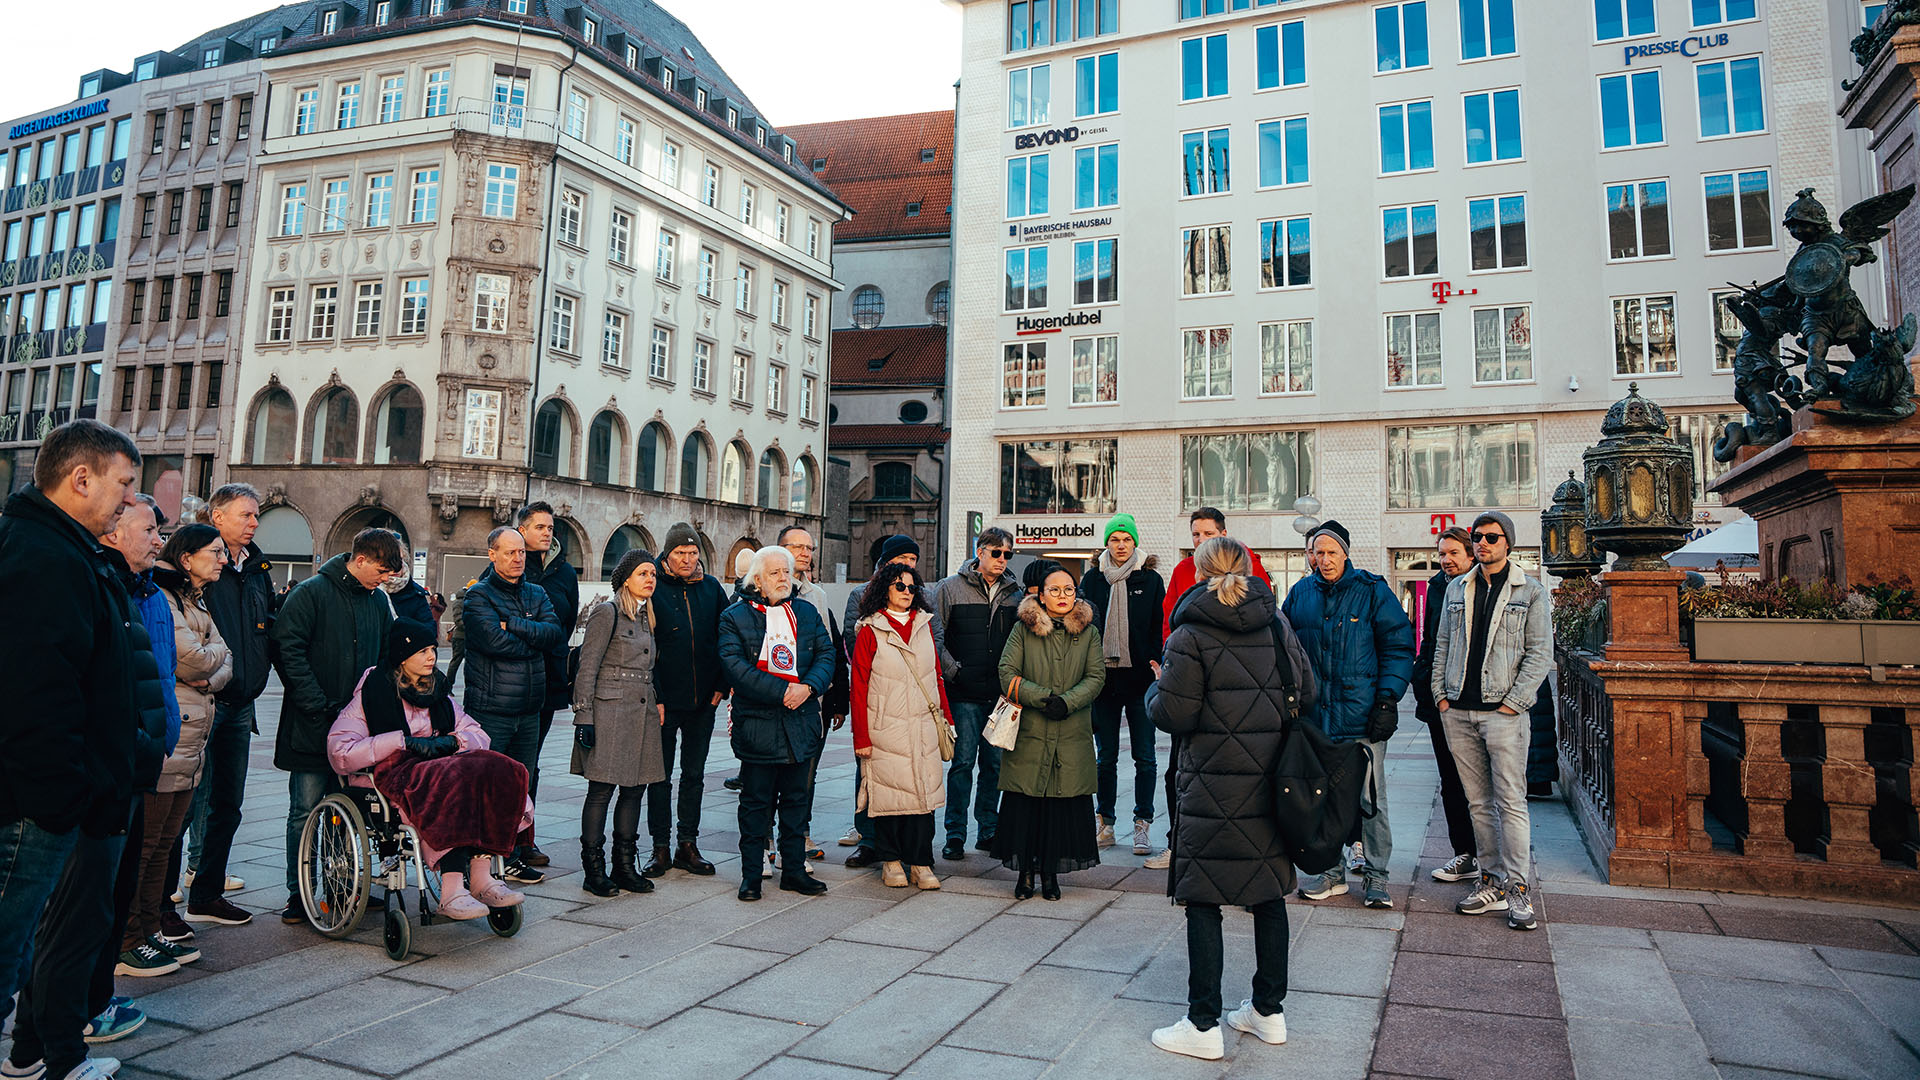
970	746
1106	746
75	925
304	792
216	802
31	861
1490	749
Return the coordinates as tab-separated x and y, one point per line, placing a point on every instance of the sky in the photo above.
801	61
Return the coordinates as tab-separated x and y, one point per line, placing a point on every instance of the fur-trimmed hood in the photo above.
1034	614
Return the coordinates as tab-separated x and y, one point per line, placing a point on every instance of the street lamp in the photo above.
1563	532
1639	485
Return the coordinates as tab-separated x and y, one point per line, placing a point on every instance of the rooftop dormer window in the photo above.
383	13
329	21
927	154
590	30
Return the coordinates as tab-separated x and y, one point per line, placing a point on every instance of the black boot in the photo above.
625	849
661	862
1023	889
593	865
1049	886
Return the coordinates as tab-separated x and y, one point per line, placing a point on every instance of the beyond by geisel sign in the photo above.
59	119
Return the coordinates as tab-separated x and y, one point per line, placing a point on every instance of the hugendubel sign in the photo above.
1026	534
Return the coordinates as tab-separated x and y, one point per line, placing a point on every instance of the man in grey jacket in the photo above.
1494	649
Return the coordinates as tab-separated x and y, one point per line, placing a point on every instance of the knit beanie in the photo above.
1037	572
896	546
409	636
624	569
1335	530
1121	523
1495	517
680	535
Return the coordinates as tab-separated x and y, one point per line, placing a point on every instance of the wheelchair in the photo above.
353	840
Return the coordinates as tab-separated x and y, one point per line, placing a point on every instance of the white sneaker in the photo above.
1140	844
10	1071
1268	1029
852	839
94	1068
1104	837
1184	1038
1160	861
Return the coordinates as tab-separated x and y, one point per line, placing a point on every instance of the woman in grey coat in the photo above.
616	725
1229	703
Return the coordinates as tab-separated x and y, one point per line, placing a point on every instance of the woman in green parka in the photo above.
1047	779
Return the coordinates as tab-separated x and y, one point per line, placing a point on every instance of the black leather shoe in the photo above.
862	856
533	856
1049	887
750	889
954	851
803	883
731	783
687	858
661	862
985	843
1023	889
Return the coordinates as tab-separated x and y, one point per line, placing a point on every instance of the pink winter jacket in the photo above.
353	752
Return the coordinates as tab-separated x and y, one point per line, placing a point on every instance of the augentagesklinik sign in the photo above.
1687	46
59	119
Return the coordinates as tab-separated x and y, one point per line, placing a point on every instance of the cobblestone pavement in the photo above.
868	981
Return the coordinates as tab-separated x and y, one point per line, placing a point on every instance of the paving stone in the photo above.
651	996
1471	935
1623	1050
259	987
552	1040
1865	960
1077	905
947	1062
1612	937
821	983
287	1068
1606	982
1809	929
1165	978
629	910
805	925
1412	1037
1642	914
899	1023
1364	917
1515	987
723	913
1119	1043
706	1043
1001	949
259	1039
1743	958
1342	960
1122	941
1896	1001
1041	1014
607	960
492	956
1814	1030
929	920
398	1044
794	1068
1322	1032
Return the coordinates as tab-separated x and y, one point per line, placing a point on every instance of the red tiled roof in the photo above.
867	436
905	356
875	166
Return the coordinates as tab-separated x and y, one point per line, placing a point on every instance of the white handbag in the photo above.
1003	724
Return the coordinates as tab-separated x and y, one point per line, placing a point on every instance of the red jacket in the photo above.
1183	580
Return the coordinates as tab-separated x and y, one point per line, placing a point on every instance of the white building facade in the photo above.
1398	256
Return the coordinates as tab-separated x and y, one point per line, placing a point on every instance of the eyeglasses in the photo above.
991	553
1488	537
1059	591
901	586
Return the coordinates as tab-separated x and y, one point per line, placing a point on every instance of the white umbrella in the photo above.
1736	543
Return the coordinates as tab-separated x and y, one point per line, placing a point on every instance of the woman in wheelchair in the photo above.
403	735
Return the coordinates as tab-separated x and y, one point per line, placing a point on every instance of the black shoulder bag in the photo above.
1317	783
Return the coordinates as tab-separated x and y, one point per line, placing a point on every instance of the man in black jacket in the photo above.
1456	558
511	628
977	606
241	601
70	763
1125	591
687	676
548	568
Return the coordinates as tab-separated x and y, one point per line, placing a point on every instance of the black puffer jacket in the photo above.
1145	591
686	634
242	602
562	585
1543	751
1423	706
977	618
765	731
507	666
330	630
1223	699
149	694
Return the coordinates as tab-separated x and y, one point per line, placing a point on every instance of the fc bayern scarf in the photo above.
779	655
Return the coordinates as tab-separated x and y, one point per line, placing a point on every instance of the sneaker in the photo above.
985	843
955	850
181	952
221	911
1160	861
731	783
1458	868
533	856
174	928
294	913
232	884
1357	859
1105	837
1486	898
520	873
144	961
852	839
1520	906
1325	886
1374	894
119	1021
1140	844
1268	1029
94	1068
10	1071
1184	1038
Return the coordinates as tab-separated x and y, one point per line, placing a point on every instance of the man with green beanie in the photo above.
1125	591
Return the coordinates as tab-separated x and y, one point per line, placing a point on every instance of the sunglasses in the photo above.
901	586
1488	537
992	553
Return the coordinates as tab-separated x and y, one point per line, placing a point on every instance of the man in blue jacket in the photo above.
1361	645
510	628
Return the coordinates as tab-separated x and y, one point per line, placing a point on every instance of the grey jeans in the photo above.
1491	750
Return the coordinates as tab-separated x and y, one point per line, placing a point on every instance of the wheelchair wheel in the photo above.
505	921
396	933
335	880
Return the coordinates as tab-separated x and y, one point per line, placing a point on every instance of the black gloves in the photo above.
432	746
1054	708
1383	720
583	736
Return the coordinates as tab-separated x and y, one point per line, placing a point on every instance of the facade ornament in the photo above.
413	249
502	509
333	378
326	257
566	509
370	495
368	252
496	245
488	361
273	378
276	496
571	267
449	513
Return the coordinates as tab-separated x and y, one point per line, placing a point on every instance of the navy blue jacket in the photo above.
157	615
507	668
1360	642
765	731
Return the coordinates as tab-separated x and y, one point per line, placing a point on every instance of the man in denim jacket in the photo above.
1494	650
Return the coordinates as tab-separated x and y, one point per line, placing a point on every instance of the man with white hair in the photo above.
779	660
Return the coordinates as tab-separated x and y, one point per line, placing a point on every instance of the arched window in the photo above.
892	480
695	457
398	427
939	298
552	439
275	424
767	488
733	474
800	487
624	539
286	540
656	450
336	429
868	306
603	449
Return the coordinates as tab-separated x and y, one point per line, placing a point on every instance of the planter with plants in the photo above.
1784	621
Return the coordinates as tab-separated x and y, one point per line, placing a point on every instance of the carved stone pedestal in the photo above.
1644	608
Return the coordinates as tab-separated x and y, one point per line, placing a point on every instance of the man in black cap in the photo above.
691	683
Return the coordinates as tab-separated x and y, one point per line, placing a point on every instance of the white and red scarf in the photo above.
779	648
